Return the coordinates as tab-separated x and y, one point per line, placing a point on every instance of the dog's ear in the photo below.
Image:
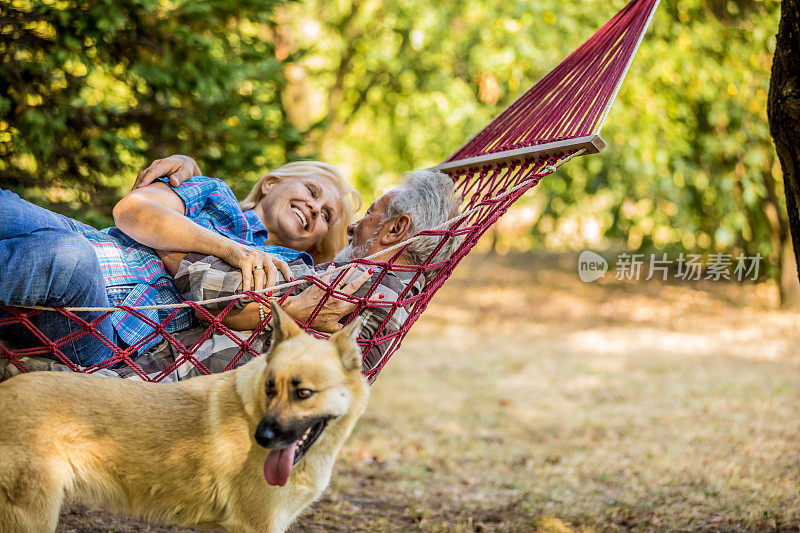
283	327
345	342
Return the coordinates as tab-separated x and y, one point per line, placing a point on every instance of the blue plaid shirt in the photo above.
135	276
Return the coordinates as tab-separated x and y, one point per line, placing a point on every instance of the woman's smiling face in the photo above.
298	212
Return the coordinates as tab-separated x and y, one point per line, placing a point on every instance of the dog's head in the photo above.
308	392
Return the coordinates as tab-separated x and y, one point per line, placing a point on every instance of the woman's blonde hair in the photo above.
336	238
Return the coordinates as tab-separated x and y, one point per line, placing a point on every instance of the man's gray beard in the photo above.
350	252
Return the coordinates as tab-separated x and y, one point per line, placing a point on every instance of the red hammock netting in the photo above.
558	118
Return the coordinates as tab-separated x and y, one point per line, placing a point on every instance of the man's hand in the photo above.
301	306
178	168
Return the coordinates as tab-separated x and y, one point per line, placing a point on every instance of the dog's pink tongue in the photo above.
279	465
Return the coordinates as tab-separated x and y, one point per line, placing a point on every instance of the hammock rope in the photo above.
574	98
556	120
288	285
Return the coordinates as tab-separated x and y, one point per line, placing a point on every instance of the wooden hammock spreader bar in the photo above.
591	143
556	120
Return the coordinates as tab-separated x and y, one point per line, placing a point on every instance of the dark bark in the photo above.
783	110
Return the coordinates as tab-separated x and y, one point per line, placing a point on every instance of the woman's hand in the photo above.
259	269
178	168
301	306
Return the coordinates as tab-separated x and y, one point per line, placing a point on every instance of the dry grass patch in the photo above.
526	400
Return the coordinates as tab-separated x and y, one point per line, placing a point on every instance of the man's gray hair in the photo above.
428	198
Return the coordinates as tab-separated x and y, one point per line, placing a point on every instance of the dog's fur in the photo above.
184	453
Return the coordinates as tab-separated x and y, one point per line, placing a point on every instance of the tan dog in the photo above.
195	453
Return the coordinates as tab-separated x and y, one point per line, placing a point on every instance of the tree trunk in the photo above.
789	284
783	110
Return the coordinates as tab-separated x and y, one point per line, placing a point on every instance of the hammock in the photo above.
559	118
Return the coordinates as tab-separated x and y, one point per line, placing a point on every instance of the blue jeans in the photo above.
46	260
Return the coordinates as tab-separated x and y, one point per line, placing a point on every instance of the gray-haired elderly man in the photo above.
424	200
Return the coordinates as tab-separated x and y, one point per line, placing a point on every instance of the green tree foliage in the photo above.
92	89
690	164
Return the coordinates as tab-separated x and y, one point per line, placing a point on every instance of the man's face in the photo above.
365	234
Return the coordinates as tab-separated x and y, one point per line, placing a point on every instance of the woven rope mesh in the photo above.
570	101
485	196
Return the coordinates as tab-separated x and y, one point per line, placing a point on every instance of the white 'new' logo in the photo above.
591	266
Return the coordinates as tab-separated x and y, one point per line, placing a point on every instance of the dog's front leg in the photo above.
271	526
29	499
278	522
264	518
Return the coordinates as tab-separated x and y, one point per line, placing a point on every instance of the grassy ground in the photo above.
525	399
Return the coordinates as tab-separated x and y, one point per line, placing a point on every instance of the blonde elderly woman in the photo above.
299	211
304	206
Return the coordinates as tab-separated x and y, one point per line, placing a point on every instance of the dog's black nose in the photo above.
265	434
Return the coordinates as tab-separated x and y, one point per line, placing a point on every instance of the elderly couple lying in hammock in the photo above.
295	215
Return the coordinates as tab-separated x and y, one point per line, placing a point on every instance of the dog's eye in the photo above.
303	394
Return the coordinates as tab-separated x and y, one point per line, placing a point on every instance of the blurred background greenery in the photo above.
92	90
